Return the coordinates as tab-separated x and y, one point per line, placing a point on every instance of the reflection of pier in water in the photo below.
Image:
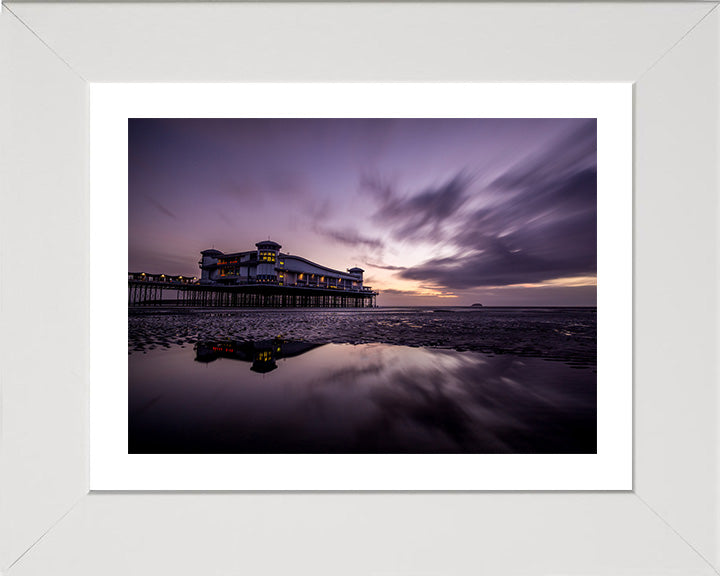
262	353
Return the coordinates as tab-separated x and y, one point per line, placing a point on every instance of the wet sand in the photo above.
561	334
463	380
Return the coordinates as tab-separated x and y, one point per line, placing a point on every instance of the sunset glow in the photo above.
436	211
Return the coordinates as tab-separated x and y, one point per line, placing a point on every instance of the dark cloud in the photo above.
422	214
160	207
225	218
396	292
573	153
541	224
385	266
349	237
317	210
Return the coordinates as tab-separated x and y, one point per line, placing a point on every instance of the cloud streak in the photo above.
161	208
385	266
420	215
349	237
540	226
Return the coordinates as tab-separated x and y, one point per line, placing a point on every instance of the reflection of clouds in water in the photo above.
433	398
437	399
421	409
373	398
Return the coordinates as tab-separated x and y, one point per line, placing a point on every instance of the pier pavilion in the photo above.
264	277
267	265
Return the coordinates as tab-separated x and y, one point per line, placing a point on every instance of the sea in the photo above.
375	380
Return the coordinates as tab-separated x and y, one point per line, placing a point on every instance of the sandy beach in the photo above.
561	334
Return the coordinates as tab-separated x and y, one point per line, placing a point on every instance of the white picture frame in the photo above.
49	523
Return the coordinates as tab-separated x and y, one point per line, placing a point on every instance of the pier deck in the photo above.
182	294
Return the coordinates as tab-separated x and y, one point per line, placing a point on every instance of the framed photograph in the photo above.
508	210
589	454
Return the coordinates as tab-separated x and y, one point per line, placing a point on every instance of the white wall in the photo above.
676	402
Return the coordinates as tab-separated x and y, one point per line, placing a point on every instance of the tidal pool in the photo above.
280	396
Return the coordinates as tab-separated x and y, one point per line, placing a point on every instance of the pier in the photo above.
160	290
260	278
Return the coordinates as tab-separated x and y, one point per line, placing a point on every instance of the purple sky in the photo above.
437	211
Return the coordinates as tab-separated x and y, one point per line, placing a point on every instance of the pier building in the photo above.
264	277
268	265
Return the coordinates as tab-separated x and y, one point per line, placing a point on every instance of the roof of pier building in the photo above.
305	266
268	244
